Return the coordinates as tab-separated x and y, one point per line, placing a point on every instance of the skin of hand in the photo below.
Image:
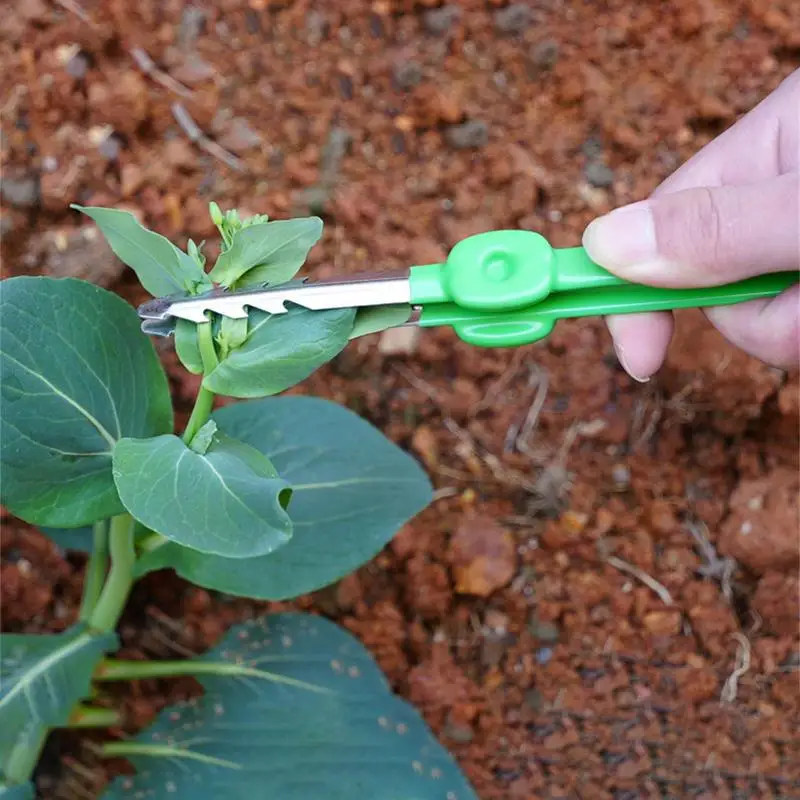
731	212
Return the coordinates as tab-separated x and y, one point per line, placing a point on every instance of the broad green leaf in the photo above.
353	490
187	347
162	268
227	501
23	791
269	252
80	539
76	375
41	678
280	351
379	318
195	252
257	736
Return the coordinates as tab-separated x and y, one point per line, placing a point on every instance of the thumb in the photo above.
702	236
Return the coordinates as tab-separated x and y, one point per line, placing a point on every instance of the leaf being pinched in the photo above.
227	500
76	375
42	677
268	252
187	346
280	351
162	268
352	491
266	734
379	318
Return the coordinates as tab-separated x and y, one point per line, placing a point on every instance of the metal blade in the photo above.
356	292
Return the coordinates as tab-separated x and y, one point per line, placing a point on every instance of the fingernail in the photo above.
624	241
621	357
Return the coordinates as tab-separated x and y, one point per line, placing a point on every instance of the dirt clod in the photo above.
482	556
777	601
761	530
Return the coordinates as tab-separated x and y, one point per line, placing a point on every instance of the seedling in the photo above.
270	498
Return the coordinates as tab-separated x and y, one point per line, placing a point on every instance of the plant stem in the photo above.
114	595
204	403
95	570
203	406
23	758
208	353
90	717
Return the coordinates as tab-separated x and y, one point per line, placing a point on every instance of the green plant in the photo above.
270	498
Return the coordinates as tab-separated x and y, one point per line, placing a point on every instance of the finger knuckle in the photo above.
707	223
692	229
699	231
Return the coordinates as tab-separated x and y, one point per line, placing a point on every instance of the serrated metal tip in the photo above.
158	308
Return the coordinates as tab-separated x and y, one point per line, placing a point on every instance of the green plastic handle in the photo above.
527	325
504	271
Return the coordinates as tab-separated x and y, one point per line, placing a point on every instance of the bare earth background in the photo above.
603	600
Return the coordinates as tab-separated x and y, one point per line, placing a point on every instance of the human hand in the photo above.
729	213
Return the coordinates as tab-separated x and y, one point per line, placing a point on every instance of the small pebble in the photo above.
534	699
544	631
621	476
192	23
544	654
316	27
20	192
439	21
109	147
471	134
544	55
457	732
77	66
407	75
599	175
592	148
514	18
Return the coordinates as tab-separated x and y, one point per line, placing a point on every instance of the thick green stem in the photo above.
101	609
114	595
95	570
23	758
204	403
203	406
90	717
208	352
